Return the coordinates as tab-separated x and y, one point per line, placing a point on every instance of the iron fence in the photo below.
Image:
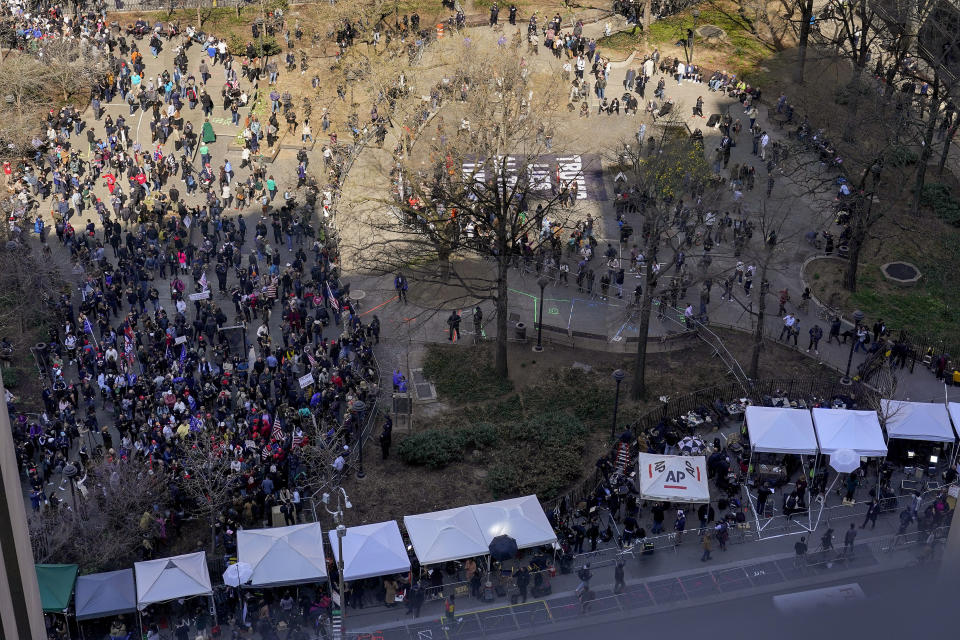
758	391
808	390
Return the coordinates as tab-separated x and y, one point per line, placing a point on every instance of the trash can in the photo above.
521	332
42	350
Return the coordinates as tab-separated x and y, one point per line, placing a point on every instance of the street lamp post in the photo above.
70	472
543	281
359	406
693	32
341	533
618	375
857	319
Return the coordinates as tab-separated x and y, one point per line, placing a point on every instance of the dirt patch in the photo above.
825	279
393	489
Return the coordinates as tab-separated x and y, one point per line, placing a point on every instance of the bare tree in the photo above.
26	82
806	15
207	478
103	531
865	127
481	205
773	229
656	181
29	288
72	65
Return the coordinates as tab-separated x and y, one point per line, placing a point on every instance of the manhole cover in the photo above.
901	272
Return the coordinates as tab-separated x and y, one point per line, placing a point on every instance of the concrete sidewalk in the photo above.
692	586
607	324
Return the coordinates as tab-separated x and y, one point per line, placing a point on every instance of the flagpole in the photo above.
88	328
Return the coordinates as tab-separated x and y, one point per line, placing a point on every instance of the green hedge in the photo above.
11	378
938	197
541	455
437	448
900	156
532	441
464	374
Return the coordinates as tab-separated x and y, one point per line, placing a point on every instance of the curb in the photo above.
803	280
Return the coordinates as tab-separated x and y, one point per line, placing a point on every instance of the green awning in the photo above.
56	586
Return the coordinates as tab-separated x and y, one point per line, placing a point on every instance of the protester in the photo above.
147	358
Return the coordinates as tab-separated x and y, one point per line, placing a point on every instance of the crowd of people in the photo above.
149	362
151	359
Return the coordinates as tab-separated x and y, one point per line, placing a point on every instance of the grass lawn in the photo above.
623	42
741	53
930	309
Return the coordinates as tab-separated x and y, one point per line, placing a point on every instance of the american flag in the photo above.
203	281
333	298
128	347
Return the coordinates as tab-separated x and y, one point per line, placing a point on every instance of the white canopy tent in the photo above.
283	555
785	431
441	536
953	408
858	431
371	550
926	421
673	478
522	519
173	578
781	430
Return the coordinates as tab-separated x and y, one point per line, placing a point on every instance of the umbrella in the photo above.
845	460
502	548
237	574
691	446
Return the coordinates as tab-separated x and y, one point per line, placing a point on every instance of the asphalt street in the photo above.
897	604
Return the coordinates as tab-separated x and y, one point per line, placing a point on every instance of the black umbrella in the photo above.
503	548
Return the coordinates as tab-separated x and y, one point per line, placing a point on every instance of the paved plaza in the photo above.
674	575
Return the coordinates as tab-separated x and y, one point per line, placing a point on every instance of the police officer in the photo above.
478	324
